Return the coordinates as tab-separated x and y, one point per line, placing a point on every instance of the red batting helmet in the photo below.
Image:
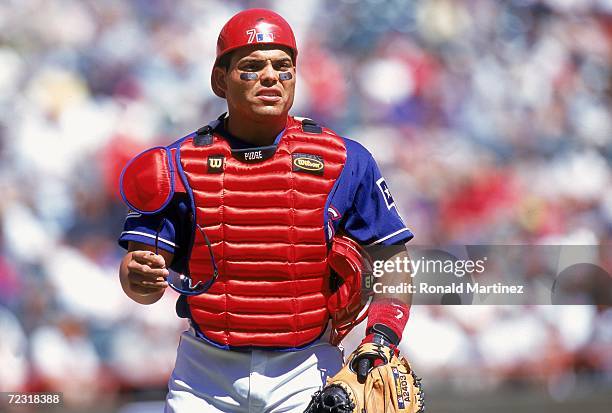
251	27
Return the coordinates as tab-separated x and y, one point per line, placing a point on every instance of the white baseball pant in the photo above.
209	379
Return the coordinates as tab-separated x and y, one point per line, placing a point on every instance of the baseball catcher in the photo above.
257	220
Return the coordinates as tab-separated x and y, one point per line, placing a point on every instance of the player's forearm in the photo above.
136	294
390	309
398	277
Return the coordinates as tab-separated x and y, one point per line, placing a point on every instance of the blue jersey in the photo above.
360	205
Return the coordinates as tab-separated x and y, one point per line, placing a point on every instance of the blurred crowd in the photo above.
490	120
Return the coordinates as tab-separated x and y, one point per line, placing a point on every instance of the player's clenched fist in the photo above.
147	272
143	273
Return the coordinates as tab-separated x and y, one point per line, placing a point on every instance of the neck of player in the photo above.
256	133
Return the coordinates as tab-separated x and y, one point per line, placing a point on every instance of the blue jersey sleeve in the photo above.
168	227
361	204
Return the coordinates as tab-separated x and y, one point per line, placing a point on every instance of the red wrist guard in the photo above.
389	312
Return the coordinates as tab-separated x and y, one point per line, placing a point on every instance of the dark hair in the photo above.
224	61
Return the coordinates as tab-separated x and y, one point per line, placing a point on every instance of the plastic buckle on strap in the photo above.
203	136
310	126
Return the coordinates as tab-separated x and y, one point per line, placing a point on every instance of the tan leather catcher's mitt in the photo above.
390	387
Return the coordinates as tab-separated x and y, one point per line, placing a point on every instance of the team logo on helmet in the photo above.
259	37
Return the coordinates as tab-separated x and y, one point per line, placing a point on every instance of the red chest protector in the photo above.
264	216
265	221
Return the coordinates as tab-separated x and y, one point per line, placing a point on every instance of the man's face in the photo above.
267	95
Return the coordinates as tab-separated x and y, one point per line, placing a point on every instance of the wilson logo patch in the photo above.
215	164
305	162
